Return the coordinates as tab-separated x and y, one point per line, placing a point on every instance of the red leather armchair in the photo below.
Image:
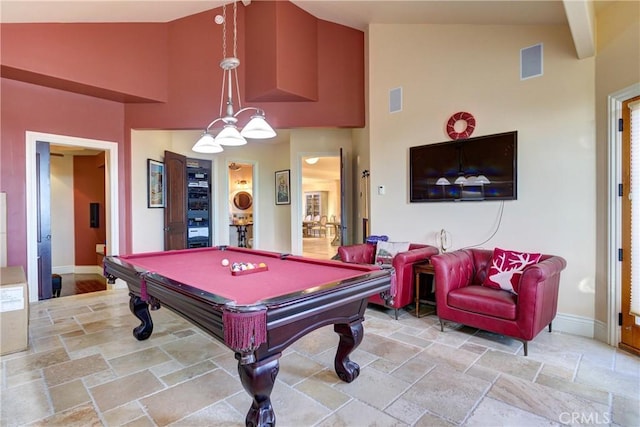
402	263
461	298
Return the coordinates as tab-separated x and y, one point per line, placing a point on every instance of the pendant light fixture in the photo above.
257	127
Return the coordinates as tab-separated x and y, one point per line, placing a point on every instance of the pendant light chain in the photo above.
235	50
224	55
224	31
235	29
231	134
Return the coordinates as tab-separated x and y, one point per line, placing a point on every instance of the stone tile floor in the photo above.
84	368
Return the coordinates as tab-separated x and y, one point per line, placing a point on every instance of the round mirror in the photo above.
242	200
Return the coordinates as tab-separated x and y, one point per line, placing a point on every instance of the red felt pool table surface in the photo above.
202	269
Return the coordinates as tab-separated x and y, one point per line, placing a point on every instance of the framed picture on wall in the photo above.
155	184
283	188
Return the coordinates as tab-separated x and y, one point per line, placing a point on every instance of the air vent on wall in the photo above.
531	61
395	100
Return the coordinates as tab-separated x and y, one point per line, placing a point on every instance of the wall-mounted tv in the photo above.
473	169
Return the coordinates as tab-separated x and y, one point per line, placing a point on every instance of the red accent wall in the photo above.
72	79
117	61
282	65
88	187
195	79
35	108
178	62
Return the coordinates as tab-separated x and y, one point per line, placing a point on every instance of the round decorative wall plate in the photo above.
467	131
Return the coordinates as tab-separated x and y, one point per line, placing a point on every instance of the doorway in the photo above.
615	230
630	329
321	206
111	196
241	206
76	181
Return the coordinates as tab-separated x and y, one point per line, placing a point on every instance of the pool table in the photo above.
257	312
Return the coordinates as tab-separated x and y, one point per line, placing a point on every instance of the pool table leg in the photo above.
350	338
140	309
258	379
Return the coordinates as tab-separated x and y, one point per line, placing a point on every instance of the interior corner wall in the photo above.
617	67
446	69
359	163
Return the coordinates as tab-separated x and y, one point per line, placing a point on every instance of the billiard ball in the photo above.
225	262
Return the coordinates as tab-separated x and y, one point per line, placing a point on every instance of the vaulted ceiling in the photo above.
578	14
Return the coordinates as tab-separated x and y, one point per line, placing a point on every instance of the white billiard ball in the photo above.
225	262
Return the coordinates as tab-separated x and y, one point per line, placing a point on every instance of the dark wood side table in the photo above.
418	269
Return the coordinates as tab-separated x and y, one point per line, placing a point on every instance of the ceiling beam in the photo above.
581	19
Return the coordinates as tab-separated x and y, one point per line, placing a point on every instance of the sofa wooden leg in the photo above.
396	310
441	325
550	326
526	353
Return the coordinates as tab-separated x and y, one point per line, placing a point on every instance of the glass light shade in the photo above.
461	180
483	180
311	160
207	144
258	128
443	181
471	180
229	135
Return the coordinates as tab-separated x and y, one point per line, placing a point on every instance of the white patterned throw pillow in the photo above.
385	251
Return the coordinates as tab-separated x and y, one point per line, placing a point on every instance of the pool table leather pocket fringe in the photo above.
144	296
245	331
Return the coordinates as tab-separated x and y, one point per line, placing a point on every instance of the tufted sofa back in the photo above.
362	253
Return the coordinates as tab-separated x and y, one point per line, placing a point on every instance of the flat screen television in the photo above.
473	169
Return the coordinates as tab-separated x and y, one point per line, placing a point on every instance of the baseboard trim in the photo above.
601	331
78	269
576	325
63	269
87	269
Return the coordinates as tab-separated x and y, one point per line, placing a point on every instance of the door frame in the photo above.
297	211
614	271
255	194
111	196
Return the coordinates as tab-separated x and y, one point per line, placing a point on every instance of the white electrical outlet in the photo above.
381	190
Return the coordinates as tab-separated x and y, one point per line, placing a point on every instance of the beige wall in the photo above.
271	229
617	68
147	223
445	69
62	215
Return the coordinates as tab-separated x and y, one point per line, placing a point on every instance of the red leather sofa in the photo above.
461	298
402	263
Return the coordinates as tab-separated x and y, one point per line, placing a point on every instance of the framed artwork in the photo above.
283	188
155	184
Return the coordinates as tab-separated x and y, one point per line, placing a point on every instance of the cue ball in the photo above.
225	262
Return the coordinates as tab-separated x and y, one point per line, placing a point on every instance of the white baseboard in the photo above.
63	269
576	325
601	332
88	269
78	269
